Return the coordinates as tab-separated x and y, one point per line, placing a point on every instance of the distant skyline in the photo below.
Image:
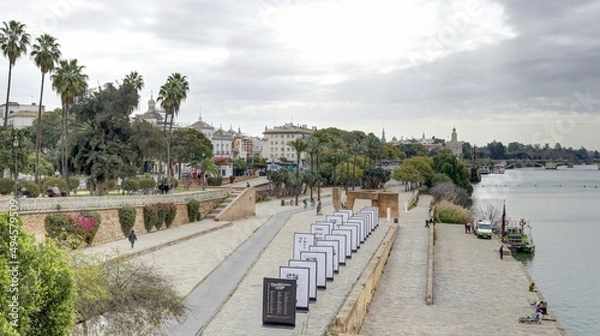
513	70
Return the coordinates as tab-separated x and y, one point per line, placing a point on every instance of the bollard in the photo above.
389	214
282	202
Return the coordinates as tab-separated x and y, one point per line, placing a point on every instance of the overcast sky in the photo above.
512	70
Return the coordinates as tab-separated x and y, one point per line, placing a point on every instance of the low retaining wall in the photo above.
351	316
52	204
243	206
430	259
110	228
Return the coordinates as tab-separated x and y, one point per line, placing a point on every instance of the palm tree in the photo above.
170	96
299	145
68	81
206	165
314	146
356	149
13	43
45	53
136	80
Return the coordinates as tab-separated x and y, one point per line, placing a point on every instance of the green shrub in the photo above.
193	208
150	217
231	179
50	182
171	214
74	184
215	181
127	216
34	190
64	230
131	185
6	186
161	212
147	183
448	212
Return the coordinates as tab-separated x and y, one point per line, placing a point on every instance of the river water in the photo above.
563	207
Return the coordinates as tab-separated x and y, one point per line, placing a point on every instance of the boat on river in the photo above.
517	236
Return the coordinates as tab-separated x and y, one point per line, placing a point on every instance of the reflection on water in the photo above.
561	206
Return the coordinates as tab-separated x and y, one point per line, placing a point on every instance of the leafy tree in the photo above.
103	148
375	178
135	80
147	140
45	53
413	149
8	149
14	42
189	145
130	297
37	277
206	166
448	165
314	149
239	166
51	132
68	81
417	169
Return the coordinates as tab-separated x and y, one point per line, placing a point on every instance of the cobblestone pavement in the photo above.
475	293
242	314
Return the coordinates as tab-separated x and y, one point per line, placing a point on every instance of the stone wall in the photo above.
351	316
241	207
52	204
110	228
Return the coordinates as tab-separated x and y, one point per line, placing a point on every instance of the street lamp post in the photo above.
15	148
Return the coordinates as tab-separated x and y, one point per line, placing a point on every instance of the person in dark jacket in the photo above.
501	251
132	238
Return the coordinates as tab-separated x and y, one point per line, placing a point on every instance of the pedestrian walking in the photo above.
132	238
467	227
305	203
501	251
427	223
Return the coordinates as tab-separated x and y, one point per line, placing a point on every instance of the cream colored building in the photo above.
275	141
20	115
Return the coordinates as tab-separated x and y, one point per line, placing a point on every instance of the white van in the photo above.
483	229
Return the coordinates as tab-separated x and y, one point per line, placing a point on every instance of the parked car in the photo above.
483	229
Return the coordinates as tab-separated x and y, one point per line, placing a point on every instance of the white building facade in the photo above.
275	142
20	115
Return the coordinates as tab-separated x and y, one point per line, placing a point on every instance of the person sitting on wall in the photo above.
56	191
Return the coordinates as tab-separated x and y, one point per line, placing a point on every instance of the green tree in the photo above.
148	140
38	278
315	146
206	165
300	146
14	42
189	145
170	96
417	169
103	148
135	80
448	165
68	81
46	54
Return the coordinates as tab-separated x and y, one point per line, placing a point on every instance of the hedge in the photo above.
34	190
50	182
127	216
6	186
193	208
171	214
150	217
161	213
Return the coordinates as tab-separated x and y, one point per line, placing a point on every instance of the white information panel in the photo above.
302	241
348	234
320	230
328	256
375	212
301	275
341	239
348	211
355	229
345	215
338	220
336	252
330	224
363	221
321	259
312	280
362	228
368	221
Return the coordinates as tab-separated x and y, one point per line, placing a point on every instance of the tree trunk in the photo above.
160	162
38	138
99	187
318	179
66	158
7	93
169	167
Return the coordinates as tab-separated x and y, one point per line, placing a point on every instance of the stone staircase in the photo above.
233	194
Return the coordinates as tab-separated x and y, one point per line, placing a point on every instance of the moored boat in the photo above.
517	235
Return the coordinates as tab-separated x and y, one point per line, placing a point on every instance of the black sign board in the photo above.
279	301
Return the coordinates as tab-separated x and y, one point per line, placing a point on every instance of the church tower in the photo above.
383	135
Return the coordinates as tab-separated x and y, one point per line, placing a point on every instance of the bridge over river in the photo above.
548	164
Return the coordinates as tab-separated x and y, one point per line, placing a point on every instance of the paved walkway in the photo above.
475	293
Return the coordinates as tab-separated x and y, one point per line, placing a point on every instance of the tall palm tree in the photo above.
314	146
13	43
46	54
299	145
356	150
206	165
68	81
170	96
136	80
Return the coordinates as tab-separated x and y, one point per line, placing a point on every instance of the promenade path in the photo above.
475	293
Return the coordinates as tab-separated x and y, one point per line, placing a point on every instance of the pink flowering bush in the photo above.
72	230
